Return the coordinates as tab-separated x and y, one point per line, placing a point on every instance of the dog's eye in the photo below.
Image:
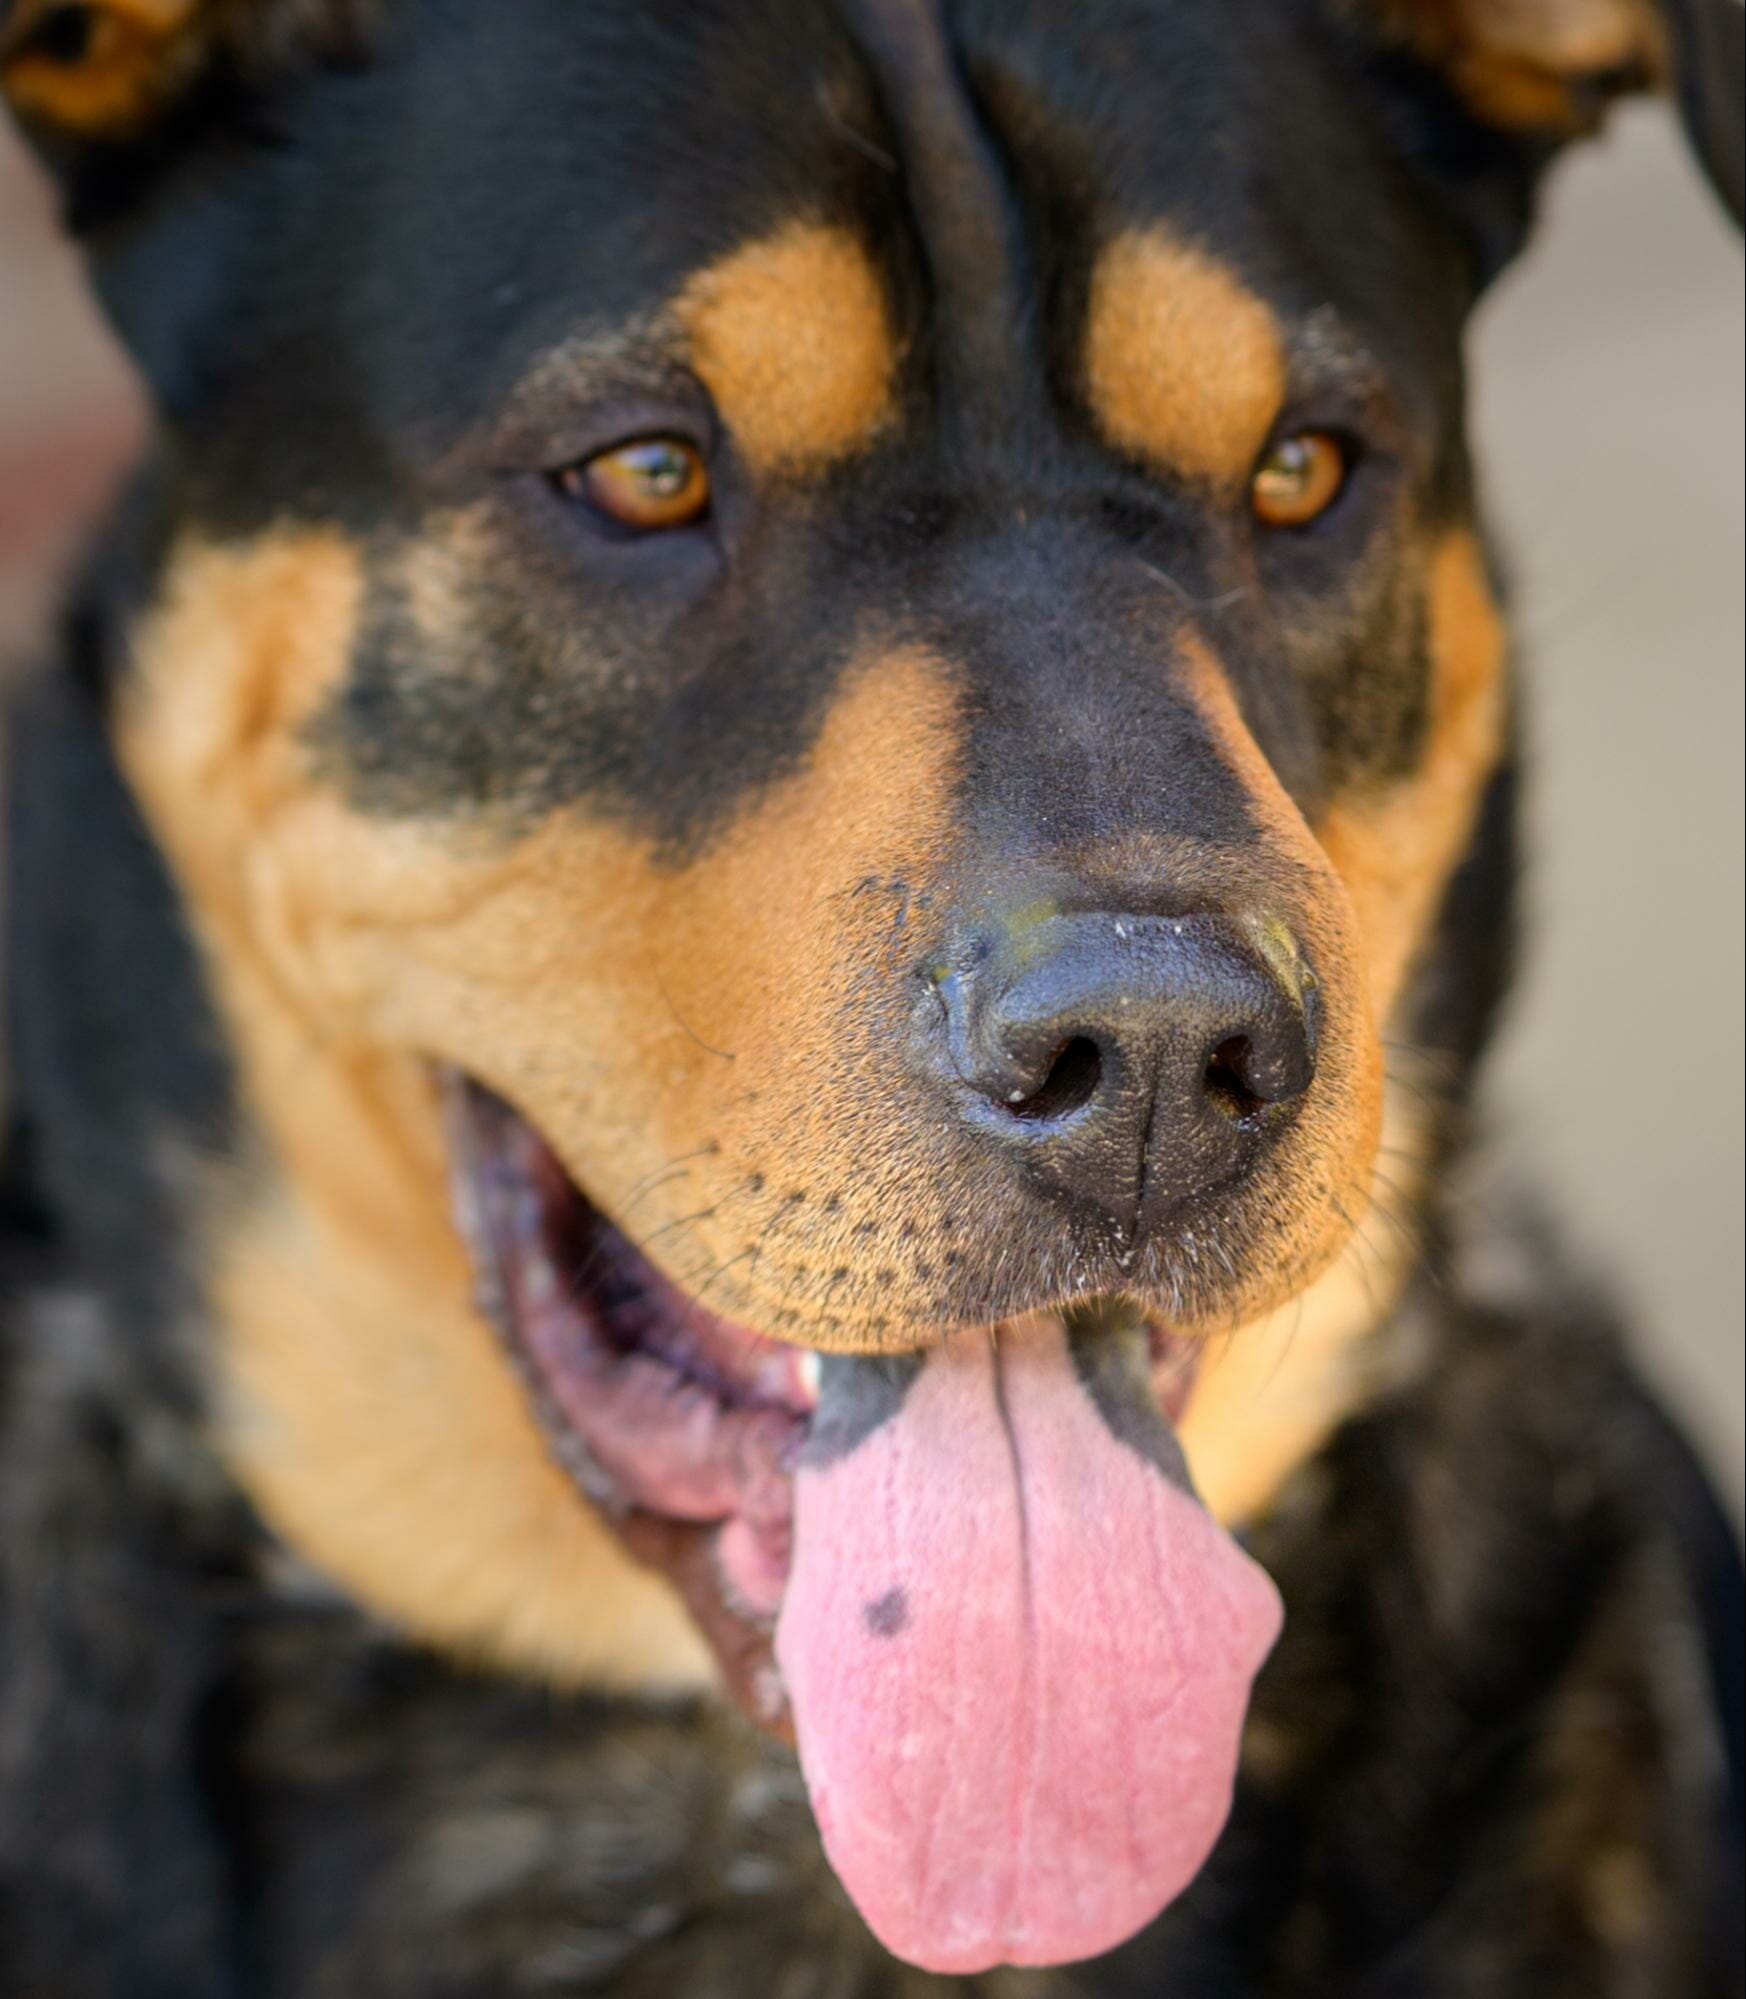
1299	480
650	484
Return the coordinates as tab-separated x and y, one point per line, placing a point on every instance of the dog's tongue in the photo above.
1019	1652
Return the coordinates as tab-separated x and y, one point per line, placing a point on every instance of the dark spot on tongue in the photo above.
887	1617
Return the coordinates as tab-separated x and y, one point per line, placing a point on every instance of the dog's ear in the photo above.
87	76
1544	71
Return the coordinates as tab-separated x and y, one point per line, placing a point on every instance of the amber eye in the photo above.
650	484
1300	479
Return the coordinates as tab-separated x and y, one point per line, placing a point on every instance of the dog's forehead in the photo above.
542	240
488	200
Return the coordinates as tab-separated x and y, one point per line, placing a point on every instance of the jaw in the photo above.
381	1427
683	1428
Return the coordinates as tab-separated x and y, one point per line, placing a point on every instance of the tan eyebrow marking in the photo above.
1184	365
792	337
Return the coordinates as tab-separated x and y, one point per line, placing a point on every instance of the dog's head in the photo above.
840	658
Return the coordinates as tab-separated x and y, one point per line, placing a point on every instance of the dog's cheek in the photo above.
712	1046
375	1425
1396	844
361	1402
717	1048
1300	1358
786	948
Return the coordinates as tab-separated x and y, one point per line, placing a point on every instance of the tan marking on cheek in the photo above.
365	1406
793	339
1269	1396
240	650
1329	1155
1184	366
370	1417
1396	849
874	799
606	995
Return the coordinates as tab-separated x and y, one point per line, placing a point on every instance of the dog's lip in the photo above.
683	1428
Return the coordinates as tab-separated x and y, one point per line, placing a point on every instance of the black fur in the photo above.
1498	1754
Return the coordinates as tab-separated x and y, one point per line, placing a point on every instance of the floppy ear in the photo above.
1548	70
105	74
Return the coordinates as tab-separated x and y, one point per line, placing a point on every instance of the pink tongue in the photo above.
1019	1657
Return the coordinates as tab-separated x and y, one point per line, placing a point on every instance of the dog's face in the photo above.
844	666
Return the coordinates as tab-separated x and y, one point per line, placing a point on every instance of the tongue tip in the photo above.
1049	1920
968	1953
1044	1931
1051	1915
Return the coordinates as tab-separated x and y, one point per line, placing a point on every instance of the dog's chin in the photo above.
683	1428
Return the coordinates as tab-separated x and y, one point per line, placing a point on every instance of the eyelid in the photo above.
546	430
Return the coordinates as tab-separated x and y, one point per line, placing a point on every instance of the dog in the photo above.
749	913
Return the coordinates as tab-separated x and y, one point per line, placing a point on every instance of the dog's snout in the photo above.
1137	1061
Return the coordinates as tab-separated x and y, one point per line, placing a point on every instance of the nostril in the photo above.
1227	1083
1072	1082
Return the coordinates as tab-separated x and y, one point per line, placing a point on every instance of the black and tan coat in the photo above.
1088	524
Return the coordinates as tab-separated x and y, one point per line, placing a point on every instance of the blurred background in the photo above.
1609	416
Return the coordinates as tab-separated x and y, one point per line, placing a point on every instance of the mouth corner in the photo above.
679	1427
683	1428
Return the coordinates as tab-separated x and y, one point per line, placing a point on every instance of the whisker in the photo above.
1184	596
661	1174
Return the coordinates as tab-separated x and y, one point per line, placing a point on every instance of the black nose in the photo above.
1137	1062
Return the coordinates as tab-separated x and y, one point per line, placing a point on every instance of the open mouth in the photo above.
974	1583
683	1428
668	1416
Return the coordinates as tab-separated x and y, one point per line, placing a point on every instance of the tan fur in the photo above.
143	54
679	1034
1522	63
367	1408
793	339
1270	1395
1397	847
1185	367
1338	1133
372	1419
